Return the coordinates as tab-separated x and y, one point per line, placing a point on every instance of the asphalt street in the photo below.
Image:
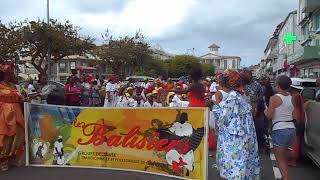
305	170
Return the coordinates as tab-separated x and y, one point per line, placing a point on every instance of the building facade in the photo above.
158	53
302	57
220	62
307	59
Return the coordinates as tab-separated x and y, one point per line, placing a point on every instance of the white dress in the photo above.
112	89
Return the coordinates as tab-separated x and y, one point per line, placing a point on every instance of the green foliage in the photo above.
62	38
10	41
207	69
124	54
180	65
153	68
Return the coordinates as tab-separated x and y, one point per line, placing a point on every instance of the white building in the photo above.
220	62
307	58
157	52
290	25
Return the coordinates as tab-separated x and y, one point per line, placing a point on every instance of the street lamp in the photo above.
48	51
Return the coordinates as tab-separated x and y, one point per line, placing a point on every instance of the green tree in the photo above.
153	68
180	65
10	41
124	54
62	38
207	69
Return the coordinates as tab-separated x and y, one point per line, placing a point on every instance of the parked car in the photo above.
59	85
311	145
307	86
139	78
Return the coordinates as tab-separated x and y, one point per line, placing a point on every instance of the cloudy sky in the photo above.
239	27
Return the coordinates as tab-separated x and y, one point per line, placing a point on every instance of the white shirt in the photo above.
283	113
213	87
31	90
155	104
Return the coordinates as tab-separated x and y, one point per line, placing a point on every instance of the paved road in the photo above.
306	170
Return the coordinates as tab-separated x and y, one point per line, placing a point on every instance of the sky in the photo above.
240	27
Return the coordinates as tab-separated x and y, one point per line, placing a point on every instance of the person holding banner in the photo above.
237	151
11	120
196	93
72	92
111	93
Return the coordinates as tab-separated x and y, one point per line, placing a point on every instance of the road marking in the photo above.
277	173
276	170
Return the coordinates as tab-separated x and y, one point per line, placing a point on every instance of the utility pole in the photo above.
48	52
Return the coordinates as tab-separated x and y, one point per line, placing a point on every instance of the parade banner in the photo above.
163	141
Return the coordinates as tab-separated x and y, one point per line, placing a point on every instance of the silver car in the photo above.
311	145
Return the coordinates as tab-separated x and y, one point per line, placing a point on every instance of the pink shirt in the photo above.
72	98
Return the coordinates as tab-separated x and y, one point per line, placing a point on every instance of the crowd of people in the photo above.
242	111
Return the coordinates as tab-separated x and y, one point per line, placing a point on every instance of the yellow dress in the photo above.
11	124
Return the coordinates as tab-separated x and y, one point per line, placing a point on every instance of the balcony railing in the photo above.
310	5
304	54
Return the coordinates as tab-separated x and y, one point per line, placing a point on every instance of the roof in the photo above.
217	56
86	68
214	46
230	57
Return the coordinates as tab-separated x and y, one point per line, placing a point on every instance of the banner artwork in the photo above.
169	142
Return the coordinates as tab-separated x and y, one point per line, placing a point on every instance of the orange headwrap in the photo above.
231	79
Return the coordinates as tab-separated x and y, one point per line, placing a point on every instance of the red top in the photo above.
196	100
74	97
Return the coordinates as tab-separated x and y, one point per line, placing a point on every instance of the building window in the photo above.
218	62
233	64
225	64
63	67
73	65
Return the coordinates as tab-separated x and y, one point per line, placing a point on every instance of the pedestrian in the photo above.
12	121
254	93
268	90
130	98
96	99
282	111
196	90
237	150
32	92
86	93
298	101
111	97
44	88
72	92
196	93
222	93
151	101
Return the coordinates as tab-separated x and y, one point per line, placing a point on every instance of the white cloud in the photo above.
154	17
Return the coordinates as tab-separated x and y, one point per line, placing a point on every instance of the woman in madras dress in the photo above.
11	120
237	150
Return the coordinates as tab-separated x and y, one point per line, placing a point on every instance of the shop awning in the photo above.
86	68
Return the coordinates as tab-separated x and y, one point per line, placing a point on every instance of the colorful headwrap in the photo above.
231	79
7	67
168	97
157	81
89	78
